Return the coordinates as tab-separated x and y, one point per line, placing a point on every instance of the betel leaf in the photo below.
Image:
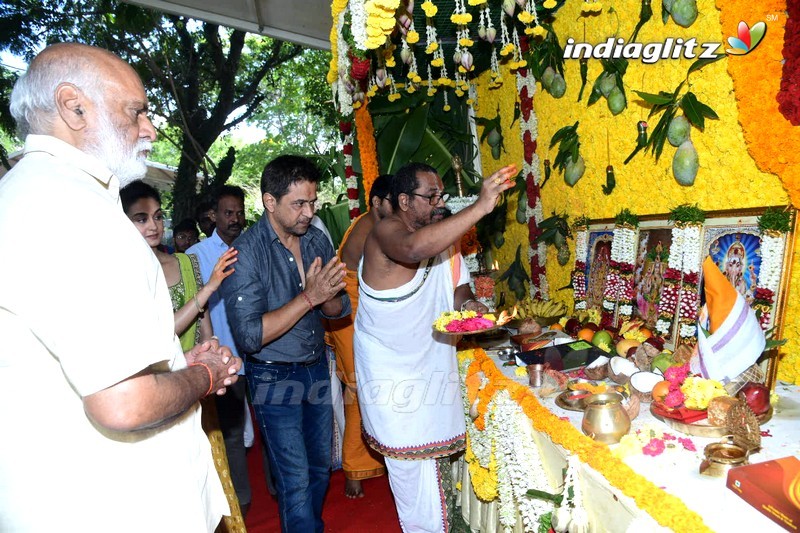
656	99
700	63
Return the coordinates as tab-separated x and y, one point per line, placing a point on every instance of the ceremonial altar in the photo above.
518	442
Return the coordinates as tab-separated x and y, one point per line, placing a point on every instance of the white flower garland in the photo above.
578	275
358	23
690	265
772	248
343	99
581	245
623	247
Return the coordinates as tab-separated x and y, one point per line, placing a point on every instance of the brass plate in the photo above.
702	428
562	402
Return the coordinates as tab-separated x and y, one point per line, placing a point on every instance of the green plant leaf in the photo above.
700	63
691	110
409	139
656	99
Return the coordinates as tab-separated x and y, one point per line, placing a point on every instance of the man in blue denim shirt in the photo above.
287	279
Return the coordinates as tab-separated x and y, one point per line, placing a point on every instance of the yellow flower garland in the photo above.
337	6
366	148
666	509
757	79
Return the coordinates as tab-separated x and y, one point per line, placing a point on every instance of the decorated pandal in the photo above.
642	180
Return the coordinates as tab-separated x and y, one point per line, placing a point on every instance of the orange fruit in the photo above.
660	391
557	327
646	332
586	334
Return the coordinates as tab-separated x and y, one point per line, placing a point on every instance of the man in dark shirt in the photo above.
287	279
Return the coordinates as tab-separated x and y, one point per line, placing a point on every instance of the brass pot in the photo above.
721	457
605	419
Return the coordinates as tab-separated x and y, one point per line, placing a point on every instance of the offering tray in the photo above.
702	428
474	332
572	400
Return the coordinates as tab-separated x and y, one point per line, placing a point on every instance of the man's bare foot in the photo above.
352	488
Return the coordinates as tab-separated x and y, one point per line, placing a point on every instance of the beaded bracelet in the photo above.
210	377
308	300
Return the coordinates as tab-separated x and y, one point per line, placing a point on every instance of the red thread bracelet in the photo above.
210	377
308	300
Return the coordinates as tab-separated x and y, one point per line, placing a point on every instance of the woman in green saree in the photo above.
142	204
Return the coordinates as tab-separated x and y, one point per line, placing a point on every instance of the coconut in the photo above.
598	369
626	344
642	384
620	370
644	356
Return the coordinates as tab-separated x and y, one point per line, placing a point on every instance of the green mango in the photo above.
678	131
499	240
685	164
496	151
574	171
563	255
684	12
558	86
547	76
607	82
494	138
616	101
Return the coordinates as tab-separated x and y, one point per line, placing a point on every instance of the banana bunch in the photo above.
540	308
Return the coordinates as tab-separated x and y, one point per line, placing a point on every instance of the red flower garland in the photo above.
789	95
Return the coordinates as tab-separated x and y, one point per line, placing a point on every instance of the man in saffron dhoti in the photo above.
407	374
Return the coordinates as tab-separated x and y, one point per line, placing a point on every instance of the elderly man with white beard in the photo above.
97	396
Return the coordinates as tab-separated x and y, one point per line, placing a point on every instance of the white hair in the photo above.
33	100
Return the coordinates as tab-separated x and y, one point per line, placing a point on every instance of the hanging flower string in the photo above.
670	289
346	127
667	509
579	272
689	296
337	16
367	149
529	132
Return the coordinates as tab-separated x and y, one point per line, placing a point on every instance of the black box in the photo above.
563	357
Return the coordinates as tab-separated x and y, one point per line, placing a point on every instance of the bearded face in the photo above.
128	161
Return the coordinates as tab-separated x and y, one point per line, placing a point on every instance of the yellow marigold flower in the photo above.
410	89
394	96
467	42
373	31
549	4
429	8
507	49
438	62
459	93
470	101
390	61
539	31
372	90
476	2
461	19
431	48
597	7
446	108
417	78
525	17
431	91
412	37
356	105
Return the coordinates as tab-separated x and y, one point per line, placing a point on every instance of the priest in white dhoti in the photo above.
407	373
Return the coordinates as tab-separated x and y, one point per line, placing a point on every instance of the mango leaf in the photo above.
655	144
661	98
691	110
700	63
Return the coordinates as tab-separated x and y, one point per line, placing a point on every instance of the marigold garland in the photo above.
337	6
666	509
367	149
756	81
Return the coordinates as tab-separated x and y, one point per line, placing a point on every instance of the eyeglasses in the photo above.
433	199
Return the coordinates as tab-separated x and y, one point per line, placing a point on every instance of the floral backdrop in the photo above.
737	152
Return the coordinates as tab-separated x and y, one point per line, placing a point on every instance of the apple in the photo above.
572	326
603	337
631	352
756	395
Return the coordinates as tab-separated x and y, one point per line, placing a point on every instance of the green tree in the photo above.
202	79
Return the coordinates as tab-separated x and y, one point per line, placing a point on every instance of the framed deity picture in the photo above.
598	262
654	243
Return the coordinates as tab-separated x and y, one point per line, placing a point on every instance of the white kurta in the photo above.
84	305
408	384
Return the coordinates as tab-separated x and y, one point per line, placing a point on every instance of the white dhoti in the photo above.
409	387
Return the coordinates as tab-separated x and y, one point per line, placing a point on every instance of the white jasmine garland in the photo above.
623	245
676	250
459	203
341	96
358	23
691	249
772	248
581	245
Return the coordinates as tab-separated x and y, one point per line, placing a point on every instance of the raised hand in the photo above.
221	270
323	283
493	187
